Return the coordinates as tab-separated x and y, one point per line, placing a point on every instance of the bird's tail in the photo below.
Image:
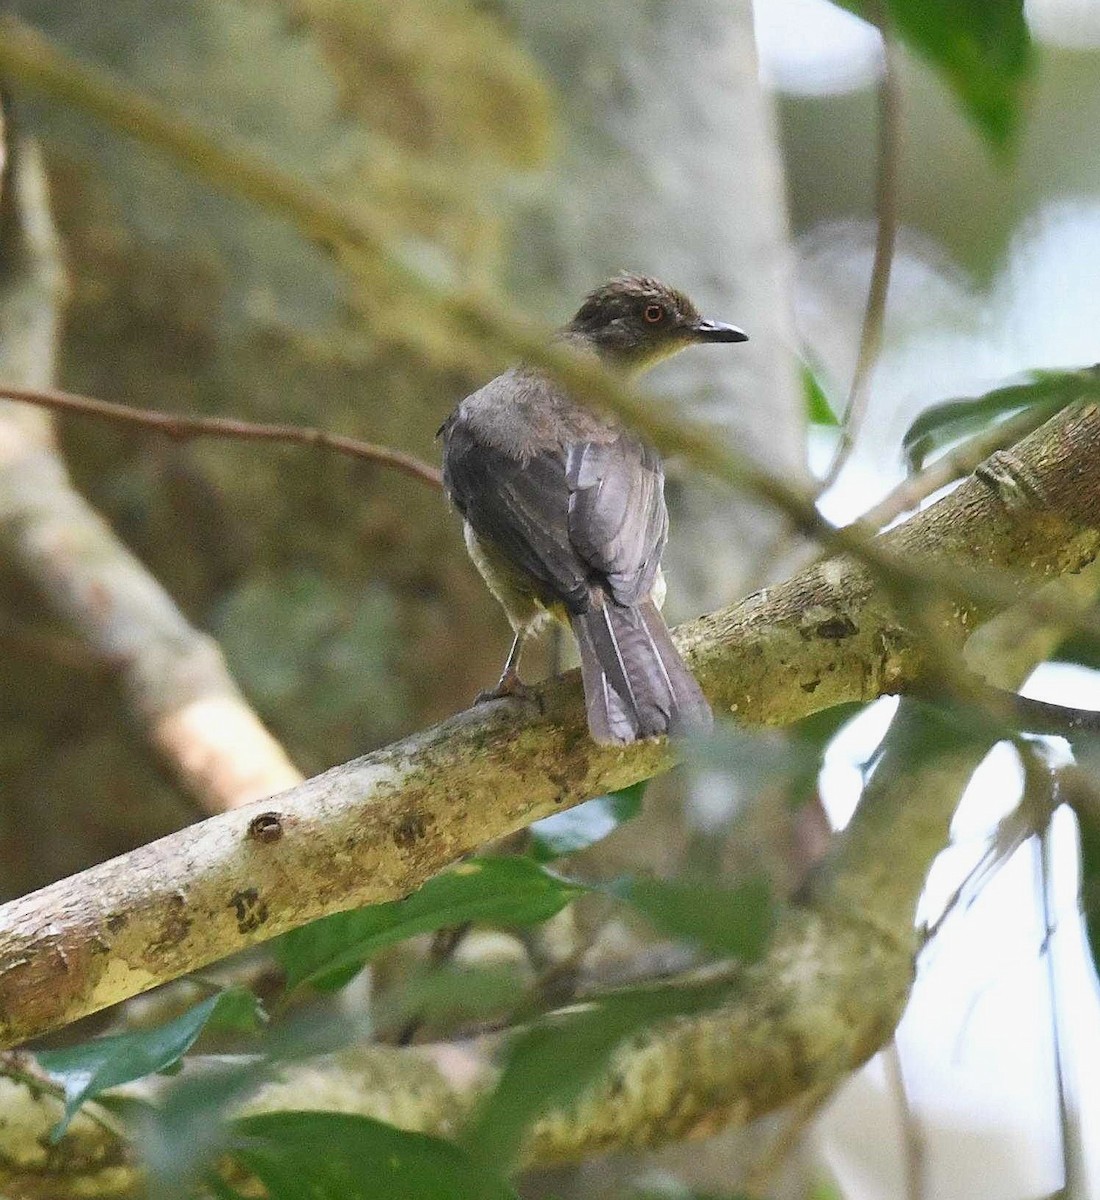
635	682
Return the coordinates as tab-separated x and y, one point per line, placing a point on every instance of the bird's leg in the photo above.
509	683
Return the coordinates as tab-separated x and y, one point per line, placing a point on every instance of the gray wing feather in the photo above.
617	514
521	508
568	515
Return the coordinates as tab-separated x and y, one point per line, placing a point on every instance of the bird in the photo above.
564	512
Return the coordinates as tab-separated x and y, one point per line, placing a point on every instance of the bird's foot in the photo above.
510	686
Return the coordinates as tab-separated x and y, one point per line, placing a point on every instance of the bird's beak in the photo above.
717	331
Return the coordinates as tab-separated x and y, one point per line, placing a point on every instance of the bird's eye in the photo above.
654	314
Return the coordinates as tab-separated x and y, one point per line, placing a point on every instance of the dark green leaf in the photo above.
942	424
922	731
765	760
730	922
1083	649
130	1110
335	1156
448	994
577	828
819	728
188	1128
554	1060
507	891
981	48
90	1068
818	409
237	1011
762	760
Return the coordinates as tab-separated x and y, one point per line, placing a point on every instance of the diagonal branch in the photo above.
953	464
826	996
373	829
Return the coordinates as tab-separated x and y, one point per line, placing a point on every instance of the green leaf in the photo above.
768	760
818	409
579	827
980	47
188	1128
92	1067
336	1156
507	891
819	728
760	760
556	1058
942	424
1082	649
448	995
729	922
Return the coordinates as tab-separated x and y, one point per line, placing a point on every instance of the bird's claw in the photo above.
511	687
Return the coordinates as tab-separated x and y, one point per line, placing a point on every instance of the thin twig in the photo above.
1068	1118
957	462
886	210
795	1123
1023	822
912	1137
184	428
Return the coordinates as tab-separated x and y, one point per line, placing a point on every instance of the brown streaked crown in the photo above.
636	320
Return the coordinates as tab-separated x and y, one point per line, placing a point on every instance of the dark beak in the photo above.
716	331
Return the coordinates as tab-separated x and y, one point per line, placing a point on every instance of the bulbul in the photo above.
564	512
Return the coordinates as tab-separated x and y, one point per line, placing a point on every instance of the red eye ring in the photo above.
654	314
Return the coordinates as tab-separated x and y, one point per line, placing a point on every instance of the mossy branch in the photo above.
373	829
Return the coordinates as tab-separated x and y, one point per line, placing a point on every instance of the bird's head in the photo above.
633	322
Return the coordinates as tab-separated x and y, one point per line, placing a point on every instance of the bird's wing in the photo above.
519	506
618	521
592	511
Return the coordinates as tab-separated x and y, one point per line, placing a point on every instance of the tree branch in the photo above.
826	996
954	464
374	828
184	428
